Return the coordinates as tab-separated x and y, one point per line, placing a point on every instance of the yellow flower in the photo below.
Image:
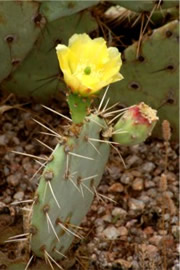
88	65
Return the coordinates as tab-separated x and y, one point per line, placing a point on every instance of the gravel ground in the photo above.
139	232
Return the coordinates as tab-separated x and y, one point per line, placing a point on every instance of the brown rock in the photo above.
137	184
117	187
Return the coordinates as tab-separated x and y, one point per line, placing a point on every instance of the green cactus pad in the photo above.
53	10
65	172
20	25
153	76
39	75
147	5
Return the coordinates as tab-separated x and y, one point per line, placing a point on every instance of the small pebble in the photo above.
14	180
135	204
19	195
149	184
111	233
122	231
126	178
155	240
133	160
116	187
148	167
3	140
117	211
137	184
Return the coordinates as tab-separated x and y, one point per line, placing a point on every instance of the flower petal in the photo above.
89	50
67	60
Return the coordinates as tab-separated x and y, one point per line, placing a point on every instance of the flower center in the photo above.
87	70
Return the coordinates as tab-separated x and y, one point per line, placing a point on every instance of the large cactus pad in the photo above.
153	76
66	188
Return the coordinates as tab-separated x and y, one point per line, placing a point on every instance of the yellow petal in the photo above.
113	66
89	50
67	60
73	83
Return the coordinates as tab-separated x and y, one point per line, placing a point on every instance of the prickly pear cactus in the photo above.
153	76
39	76
67	188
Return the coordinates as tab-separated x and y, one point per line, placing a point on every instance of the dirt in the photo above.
138	231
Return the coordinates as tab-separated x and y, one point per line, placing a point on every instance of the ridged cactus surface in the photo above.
72	175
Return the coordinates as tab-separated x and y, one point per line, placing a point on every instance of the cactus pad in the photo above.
153	76
72	178
20	25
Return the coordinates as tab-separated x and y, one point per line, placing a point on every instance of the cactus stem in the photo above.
52	131
28	155
49	259
80	156
29	262
94	147
58	113
102	100
44	144
50	186
49	222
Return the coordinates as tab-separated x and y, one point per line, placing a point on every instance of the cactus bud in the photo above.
135	125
